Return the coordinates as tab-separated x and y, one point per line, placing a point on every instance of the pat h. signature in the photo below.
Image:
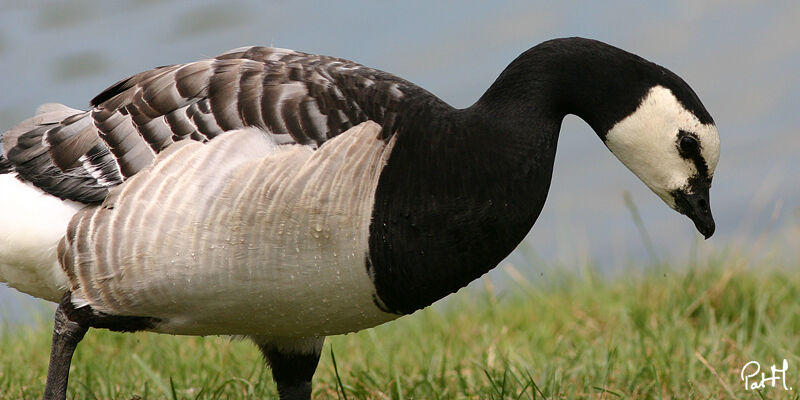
752	380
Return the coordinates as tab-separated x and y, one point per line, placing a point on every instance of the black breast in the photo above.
458	194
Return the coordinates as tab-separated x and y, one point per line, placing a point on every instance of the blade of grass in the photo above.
152	375
338	378
172	389
637	220
604	391
714	372
535	386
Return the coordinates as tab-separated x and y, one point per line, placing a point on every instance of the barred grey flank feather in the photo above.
287	207
295	97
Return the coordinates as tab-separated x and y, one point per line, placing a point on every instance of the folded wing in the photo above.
295	97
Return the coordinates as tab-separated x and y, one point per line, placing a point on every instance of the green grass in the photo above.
661	333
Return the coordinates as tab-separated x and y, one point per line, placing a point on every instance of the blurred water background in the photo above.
742	58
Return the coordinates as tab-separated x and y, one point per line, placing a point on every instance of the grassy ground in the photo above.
664	333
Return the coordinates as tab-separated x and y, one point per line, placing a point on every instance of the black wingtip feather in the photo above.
5	166
120	87
110	92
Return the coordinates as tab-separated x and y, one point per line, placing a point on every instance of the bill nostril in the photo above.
703	205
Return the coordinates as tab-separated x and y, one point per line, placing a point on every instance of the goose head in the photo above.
672	151
648	116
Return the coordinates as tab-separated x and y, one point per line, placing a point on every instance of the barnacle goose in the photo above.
286	196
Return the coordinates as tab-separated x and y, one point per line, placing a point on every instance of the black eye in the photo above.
688	143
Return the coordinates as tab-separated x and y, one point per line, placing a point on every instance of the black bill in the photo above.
696	206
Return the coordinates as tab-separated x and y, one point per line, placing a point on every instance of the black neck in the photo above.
462	188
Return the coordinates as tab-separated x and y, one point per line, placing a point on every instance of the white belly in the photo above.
218	239
31	224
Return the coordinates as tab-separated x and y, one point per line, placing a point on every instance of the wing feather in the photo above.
295	97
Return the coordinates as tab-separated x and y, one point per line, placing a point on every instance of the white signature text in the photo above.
751	379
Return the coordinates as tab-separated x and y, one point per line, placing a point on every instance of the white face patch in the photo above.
646	142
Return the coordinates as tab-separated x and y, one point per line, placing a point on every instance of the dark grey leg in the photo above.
67	334
293	363
70	325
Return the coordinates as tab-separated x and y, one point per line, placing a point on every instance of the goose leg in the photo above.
293	363
67	333
68	329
